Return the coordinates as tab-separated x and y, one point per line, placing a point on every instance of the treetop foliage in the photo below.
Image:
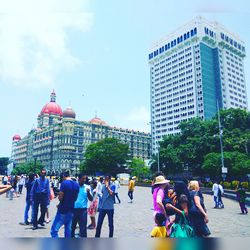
197	147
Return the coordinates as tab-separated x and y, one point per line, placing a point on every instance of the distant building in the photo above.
59	141
191	70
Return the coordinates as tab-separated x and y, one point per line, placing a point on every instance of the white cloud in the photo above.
136	119
33	37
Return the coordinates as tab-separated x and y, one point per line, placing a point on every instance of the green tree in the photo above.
108	155
4	161
212	164
199	138
27	168
238	164
139	169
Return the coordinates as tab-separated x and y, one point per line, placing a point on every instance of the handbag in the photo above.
182	229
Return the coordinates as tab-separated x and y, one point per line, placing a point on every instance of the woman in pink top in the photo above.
158	194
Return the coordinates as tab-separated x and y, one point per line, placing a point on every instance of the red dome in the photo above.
97	121
16	138
52	108
69	113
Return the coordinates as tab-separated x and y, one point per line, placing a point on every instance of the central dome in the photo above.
52	107
69	113
97	121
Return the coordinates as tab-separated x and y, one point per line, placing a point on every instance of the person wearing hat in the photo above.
158	194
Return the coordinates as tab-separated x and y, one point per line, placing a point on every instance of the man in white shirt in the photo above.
117	186
220	193
5	180
99	191
21	183
215	189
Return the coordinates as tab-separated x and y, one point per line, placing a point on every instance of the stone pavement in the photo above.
131	220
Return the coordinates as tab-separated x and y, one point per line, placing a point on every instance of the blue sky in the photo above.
94	54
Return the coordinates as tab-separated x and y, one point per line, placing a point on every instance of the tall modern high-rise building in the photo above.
191	70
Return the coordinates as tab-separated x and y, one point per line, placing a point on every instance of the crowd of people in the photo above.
179	208
78	198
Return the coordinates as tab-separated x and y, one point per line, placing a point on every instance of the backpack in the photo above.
182	229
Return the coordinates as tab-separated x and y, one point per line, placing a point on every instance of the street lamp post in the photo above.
35	166
76	169
223	168
158	157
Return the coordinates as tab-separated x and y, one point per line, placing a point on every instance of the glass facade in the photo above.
210	80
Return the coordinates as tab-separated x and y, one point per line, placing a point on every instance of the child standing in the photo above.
92	210
159	231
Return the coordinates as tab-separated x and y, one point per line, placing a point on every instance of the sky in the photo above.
94	53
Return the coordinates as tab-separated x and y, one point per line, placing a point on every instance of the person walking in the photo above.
198	215
13	190
40	196
106	207
28	186
55	183
92	210
67	196
131	188
99	191
241	197
51	197
220	193
215	190
80	207
5	180
117	186
21	183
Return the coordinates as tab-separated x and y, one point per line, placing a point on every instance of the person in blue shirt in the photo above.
80	207
106	207
29	183
39	196
67	196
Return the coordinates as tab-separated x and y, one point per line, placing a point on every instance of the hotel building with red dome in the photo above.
60	140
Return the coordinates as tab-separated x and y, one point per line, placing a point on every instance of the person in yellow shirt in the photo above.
131	187
159	231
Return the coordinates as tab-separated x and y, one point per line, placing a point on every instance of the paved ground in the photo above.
131	220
